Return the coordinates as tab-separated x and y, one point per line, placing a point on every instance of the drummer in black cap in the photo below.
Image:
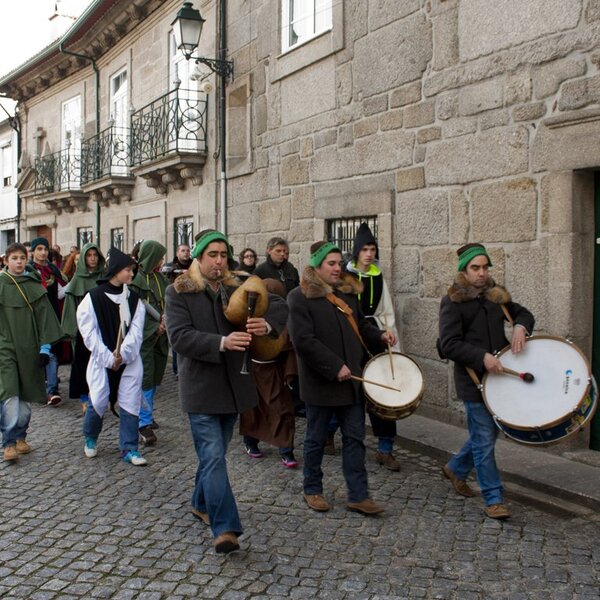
472	319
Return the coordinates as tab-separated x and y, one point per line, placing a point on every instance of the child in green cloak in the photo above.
28	327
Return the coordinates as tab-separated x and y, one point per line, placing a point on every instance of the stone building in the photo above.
439	121
8	178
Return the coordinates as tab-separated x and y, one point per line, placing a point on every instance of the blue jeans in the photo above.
352	422
146	413
128	428
385	443
15	415
52	375
478	452
212	491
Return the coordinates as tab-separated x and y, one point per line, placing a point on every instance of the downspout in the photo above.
15	123
62	50
222	116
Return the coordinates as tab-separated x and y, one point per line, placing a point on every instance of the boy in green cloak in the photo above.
151	285
28	327
90	267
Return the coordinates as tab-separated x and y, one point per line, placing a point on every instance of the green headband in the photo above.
466	257
316	258
206	239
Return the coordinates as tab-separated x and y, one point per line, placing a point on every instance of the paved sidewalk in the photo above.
73	528
557	477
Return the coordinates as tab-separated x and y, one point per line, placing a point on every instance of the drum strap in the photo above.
470	371
343	307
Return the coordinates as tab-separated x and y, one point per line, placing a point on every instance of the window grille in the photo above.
343	231
85	235
184	232
117	238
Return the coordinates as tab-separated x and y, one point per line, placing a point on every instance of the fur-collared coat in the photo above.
209	380
471	324
325	341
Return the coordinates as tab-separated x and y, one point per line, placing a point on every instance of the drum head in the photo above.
407	377
562	378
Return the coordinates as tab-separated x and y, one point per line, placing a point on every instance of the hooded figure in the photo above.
85	279
151	285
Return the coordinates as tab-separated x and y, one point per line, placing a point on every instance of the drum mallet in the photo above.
526	377
389	347
383	385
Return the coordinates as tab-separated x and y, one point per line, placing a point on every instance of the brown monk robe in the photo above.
272	420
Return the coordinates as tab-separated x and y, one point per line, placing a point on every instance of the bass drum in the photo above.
558	403
408	378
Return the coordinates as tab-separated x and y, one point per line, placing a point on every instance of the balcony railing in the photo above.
175	122
105	154
58	172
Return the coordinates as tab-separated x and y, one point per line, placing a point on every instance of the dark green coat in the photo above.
27	320
151	286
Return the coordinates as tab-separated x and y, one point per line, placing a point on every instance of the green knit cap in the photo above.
208	238
470	253
318	256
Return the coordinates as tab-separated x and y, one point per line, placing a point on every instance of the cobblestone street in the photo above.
76	528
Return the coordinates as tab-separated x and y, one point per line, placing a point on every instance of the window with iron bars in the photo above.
343	231
184	232
117	238
85	235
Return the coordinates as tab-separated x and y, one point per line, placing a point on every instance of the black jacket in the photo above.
324	340
471	324
286	273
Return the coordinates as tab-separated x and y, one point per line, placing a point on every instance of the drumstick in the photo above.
389	387
389	348
526	377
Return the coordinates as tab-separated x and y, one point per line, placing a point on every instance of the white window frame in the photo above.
6	150
71	129
313	17
119	115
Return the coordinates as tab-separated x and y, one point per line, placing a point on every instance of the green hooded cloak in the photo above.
27	321
151	286
81	283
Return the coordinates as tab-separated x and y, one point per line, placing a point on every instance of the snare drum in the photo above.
558	403
389	404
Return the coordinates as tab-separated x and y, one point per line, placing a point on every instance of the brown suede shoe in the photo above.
200	515
226	542
388	460
366	507
497	511
460	485
23	447
10	453
317	502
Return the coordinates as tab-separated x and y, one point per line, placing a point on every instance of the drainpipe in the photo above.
62	50
15	123
222	116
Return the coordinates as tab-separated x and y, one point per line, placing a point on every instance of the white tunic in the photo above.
130	388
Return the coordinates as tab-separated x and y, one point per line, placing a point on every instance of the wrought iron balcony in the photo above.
57	172
172	124
105	154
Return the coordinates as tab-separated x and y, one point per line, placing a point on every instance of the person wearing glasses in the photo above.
248	260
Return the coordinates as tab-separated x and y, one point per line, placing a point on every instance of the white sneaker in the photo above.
135	458
89	448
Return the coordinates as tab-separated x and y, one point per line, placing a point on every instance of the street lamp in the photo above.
187	29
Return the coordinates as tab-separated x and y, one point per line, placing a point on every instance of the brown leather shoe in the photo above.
329	448
388	460
366	507
497	511
460	485
23	447
226	542
317	502
10	453
200	515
